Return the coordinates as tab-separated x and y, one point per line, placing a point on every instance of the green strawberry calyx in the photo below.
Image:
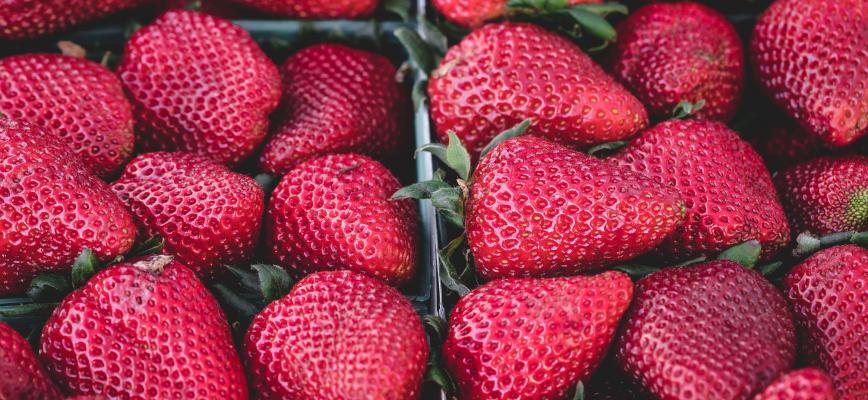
686	109
571	20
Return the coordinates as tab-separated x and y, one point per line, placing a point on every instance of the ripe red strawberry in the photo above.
51	208
337	335
540	209
726	189
21	376
147	328
314	9
208	215
27	19
714	330
825	195
334	212
533	338
811	56
199	84
336	100
827	293
504	73
667	53
81	102
802	384
473	13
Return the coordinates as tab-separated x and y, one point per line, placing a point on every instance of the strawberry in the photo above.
334	212
208	215
504	73
532	338
537	208
21	376
335	100
146	328
474	13
802	384
27	19
810	57
669	53
727	190
51	208
199	84
313	9
337	335
714	330
827	293
81	102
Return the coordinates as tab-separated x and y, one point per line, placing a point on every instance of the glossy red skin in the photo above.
537	209
667	53
199	84
811	57
336	100
504	73
827	194
337	335
143	329
727	191
827	293
802	384
52	208
81	102
714	330
334	212
21	376
208	215
473	13
313	9
533	338
28	19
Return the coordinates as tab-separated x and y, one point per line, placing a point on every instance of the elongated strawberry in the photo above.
313	9
199	84
21	376
504	73
52	208
337	335
473	13
817	75
826	293
147	328
27	19
80	102
208	215
533	338
802	384
714	330
336	100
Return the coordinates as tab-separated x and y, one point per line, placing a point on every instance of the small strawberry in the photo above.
473	13
147	328
208	215
199	84
334	212
533	338
667	53
336	100
81	102
504	73
827	293
21	376
27	19
313	9
802	384
714	330
811	57
337	335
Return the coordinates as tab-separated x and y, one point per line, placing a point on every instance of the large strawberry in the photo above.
21	376
26	19
208	215
473	13
147	328
52	208
313	9
715	330
818	75
827	293
79	101
667	53
727	190
334	212
335	100
802	384
199	84
337	335
531	338
504	73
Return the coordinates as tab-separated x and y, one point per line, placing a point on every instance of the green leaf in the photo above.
419	51
539	5
435	37
770	268
437	325
274	282
28	310
439	377
603	9
420	190
248	280
400	8
47	287
436	149
636	271
154	245
448	274
606	148
448	199
686	109
510	133
238	308
131	27
84	267
580	391
194	6
419	94
457	220
594	24
860	239
691	261
747	254
457	156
